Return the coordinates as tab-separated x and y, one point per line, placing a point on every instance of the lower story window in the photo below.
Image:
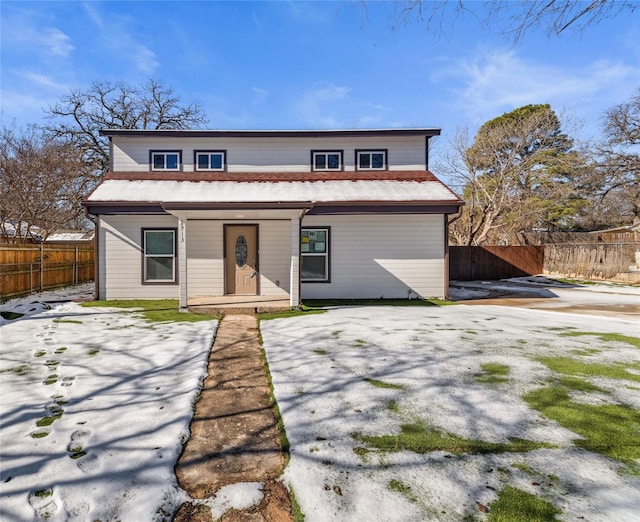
315	255
159	248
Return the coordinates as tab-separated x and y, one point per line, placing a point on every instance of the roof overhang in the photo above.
202	133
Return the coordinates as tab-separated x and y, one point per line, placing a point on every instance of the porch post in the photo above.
182	261
294	278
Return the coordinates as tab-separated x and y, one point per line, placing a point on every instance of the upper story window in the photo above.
326	159
371	159
166	159
210	159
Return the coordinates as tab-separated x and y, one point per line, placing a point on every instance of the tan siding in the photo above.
275	257
269	154
382	256
121	258
205	267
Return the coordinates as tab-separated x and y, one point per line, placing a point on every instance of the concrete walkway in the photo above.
234	433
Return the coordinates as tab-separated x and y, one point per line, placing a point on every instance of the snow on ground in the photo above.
318	364
123	389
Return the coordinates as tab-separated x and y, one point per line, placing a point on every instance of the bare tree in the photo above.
80	115
41	183
552	16
615	181
518	174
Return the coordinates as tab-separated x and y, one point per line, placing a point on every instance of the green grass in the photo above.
403	489
320	351
322	303
49	420
607	337
39	434
23	369
493	373
43	493
573	367
298	515
382	384
612	430
71	321
153	310
515	505
60	350
283	314
580	385
393	406
40	353
282	432
419	438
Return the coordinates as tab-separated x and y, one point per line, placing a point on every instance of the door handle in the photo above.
253	274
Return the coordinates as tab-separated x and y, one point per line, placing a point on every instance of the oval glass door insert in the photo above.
241	251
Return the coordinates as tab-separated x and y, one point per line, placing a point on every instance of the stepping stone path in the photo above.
234	432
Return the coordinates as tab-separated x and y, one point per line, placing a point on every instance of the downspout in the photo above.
96	251
303	213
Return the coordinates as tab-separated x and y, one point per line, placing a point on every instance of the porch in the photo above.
243	304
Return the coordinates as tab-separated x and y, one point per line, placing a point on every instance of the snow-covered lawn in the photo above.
325	369
95	405
114	394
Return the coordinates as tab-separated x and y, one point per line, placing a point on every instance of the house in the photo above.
312	214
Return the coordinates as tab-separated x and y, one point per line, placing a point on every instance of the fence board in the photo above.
26	269
468	263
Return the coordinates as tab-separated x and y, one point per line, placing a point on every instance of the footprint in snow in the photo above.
78	443
67	381
43	503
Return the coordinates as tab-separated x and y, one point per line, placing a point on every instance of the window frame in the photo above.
370	152
223	153
145	280
326	254
165	153
315	153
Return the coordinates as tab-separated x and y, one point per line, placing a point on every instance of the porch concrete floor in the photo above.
227	304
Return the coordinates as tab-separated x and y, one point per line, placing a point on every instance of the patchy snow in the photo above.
127	387
123	389
318	364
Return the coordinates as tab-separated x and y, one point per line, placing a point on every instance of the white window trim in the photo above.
370	153
209	153
145	256
166	153
326	153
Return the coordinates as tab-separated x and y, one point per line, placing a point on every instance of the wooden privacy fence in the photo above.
590	260
26	269
468	263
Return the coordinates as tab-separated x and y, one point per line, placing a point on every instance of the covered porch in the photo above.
210	271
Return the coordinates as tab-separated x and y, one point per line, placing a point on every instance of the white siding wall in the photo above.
269	154
205	269
120	274
120	252
382	256
205	251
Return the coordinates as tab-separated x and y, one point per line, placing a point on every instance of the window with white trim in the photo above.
166	159
210	160
326	160
314	266
159	255
371	159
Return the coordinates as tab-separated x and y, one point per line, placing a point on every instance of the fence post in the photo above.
41	266
75	269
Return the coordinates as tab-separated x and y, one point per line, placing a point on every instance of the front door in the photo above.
241	266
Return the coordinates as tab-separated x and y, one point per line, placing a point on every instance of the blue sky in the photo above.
312	65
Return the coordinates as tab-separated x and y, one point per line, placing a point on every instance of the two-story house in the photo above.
290	214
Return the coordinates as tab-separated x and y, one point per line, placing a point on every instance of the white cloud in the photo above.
27	32
40	80
319	106
492	82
